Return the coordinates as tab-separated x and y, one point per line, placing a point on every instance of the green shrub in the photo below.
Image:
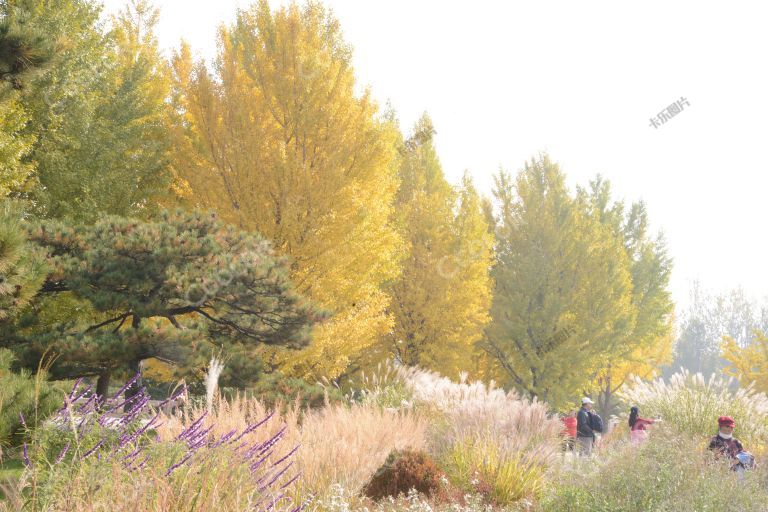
23	394
403	471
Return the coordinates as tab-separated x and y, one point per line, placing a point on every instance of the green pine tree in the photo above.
22	268
177	289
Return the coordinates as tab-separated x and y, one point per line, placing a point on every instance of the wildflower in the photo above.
62	454
26	456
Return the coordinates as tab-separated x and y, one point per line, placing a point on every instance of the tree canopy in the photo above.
275	138
179	289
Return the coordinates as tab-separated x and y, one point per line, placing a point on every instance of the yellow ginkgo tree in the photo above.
276	138
749	364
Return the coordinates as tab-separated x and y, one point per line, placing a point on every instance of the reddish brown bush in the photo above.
403	471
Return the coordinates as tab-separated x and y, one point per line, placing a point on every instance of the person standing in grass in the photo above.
724	444
585	436
637	426
569	430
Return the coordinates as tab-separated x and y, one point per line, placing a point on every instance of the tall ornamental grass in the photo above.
340	444
487	440
672	471
94	457
691	404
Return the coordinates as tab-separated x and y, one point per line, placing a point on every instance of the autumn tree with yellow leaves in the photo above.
276	140
650	342
440	302
563	286
748	363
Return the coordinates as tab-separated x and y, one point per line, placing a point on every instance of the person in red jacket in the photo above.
569	429
637	426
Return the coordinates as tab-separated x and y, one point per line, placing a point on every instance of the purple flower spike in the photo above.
95	447
274	479
173	397
253	427
127	385
193	427
26	456
23	421
62	454
289	482
288	455
74	388
178	464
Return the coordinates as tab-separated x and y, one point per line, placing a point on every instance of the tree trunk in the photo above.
102	387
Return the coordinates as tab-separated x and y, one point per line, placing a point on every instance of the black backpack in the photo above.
595	421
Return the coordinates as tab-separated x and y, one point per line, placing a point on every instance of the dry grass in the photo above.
340	444
692	404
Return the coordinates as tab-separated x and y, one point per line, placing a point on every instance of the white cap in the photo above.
586	400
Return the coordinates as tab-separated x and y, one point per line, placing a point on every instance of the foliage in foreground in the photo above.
488	441
88	458
403	471
691	404
23	399
340	444
671	471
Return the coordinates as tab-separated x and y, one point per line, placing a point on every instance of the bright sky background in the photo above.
580	80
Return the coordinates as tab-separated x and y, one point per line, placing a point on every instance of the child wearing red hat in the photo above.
724	443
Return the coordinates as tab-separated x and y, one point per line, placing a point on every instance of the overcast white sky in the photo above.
581	80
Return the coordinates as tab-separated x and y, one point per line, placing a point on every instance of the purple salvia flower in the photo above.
74	388
140	465
281	473
95	447
81	395
23	421
87	405
252	451
272	503
182	461
193	427
138	396
127	385
289	482
253	427
224	438
265	498
253	467
133	454
62	454
288	455
135	412
201	435
26	456
272	442
173	397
